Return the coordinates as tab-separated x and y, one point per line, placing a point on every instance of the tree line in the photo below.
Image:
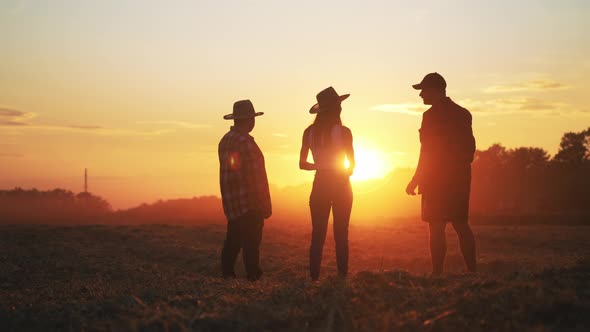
528	180
57	205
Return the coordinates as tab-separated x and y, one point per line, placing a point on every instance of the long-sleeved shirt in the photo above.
242	176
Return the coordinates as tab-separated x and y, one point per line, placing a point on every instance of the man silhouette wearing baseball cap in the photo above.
443	175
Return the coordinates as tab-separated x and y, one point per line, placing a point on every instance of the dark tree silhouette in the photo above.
527	181
52	206
574	148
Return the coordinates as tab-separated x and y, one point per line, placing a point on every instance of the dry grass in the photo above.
166	278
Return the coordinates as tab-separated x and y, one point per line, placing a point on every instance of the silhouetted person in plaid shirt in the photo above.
244	191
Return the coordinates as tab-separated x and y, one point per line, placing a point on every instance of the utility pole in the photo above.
86	180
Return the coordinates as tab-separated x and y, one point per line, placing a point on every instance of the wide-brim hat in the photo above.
432	80
327	99
243	109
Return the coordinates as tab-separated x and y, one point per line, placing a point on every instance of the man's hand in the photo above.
411	188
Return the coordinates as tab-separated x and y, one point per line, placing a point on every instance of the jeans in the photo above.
244	232
330	192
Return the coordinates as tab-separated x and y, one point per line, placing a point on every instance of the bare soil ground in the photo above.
166	278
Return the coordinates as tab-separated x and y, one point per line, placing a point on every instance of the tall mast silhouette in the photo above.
85	180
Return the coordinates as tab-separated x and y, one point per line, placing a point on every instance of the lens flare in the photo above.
370	164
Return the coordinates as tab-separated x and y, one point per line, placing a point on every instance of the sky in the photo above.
136	91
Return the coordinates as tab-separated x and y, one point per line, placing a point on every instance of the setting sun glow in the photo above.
370	164
140	101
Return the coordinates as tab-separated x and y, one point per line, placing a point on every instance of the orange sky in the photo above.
136	92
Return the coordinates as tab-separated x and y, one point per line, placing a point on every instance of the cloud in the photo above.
533	85
496	106
517	105
12	117
415	109
97	130
83	127
10	112
11	123
281	135
177	124
16	118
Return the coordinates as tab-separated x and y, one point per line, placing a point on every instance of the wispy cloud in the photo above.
281	135
12	117
16	118
95	130
415	109
517	105
85	127
103	131
533	85
496	106
177	124
11	112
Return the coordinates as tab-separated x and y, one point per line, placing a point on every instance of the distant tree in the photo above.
587	143
509	181
529	158
574	149
491	158
488	179
187	210
569	178
57	205
92	203
527	178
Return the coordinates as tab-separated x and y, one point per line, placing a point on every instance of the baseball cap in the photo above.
432	80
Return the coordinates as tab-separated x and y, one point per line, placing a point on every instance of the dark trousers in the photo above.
330	192
244	232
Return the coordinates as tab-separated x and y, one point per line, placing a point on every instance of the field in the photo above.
166	278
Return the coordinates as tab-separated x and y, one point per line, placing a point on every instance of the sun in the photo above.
370	164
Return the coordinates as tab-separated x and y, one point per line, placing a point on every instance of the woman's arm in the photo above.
303	163
350	152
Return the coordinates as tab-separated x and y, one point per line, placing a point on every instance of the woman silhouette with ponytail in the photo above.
331	147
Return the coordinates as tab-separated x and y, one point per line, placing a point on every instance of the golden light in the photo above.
370	164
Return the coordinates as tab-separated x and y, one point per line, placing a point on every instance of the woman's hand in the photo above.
303	163
307	166
350	171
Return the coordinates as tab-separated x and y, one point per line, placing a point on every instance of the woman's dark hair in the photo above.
323	123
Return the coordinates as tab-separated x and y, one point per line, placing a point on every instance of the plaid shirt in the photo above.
242	176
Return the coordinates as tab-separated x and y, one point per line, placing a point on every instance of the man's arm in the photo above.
419	173
257	181
470	140
465	140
